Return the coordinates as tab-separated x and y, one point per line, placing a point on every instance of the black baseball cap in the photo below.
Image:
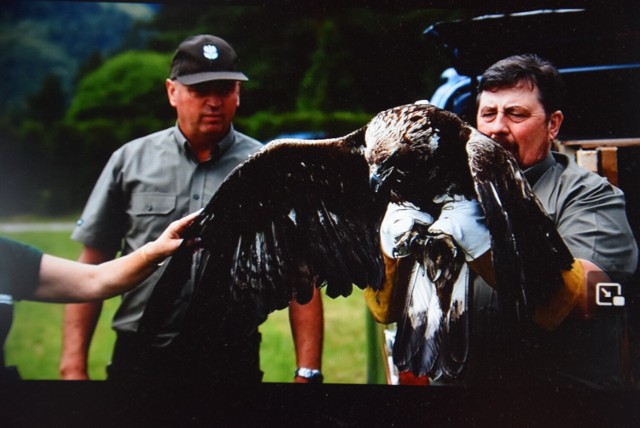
203	58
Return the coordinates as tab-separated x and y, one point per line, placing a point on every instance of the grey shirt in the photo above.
589	213
147	184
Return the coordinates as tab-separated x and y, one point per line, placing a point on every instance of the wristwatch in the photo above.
312	375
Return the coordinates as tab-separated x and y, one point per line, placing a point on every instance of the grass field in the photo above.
34	343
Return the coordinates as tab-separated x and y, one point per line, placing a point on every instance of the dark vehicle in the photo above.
598	54
300	135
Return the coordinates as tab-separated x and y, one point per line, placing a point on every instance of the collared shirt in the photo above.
147	184
588	212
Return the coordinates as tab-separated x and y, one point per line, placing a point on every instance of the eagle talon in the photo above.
441	257
412	241
436	252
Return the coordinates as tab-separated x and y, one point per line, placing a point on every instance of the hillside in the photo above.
38	38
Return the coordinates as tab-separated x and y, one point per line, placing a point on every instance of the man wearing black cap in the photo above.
148	183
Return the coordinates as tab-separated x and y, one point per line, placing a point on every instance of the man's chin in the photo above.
215	129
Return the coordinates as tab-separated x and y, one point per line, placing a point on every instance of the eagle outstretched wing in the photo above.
297	214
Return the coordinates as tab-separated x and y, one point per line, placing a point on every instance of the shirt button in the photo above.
196	197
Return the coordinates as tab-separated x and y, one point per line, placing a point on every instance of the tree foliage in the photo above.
316	68
127	88
48	104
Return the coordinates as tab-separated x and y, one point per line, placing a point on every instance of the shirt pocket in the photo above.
150	204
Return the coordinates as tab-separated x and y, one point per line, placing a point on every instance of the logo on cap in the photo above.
210	52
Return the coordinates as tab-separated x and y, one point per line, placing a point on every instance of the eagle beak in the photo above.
378	180
375	182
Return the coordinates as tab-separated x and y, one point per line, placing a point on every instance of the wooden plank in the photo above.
612	142
608	165
587	159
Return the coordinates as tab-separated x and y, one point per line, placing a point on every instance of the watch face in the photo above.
312	375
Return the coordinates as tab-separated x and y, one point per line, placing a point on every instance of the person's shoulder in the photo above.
246	143
569	169
572	175
143	146
9	245
149	140
13	253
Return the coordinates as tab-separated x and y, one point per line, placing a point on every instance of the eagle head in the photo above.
405	150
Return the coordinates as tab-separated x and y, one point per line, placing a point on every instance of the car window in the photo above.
602	104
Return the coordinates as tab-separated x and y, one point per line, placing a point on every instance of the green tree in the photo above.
311	67
324	81
122	99
93	62
304	56
48	104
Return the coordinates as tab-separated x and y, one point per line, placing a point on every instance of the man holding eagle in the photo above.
535	240
570	343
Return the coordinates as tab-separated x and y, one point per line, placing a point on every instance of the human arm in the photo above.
307	329
462	219
387	303
79	323
590	215
64	280
575	298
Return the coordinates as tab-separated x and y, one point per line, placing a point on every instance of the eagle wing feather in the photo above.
527	250
297	214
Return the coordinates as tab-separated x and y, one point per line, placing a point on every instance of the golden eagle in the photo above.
300	214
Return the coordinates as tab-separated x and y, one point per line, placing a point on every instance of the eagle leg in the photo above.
412	242
442	258
436	252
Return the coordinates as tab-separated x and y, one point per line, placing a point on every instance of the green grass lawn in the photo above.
34	344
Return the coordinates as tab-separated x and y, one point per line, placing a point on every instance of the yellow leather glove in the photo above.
550	315
386	305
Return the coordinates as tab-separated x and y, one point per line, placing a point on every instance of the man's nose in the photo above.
498	126
214	99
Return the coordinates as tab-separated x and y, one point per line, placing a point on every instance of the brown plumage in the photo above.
303	214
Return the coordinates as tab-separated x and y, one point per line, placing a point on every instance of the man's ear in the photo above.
171	89
555	120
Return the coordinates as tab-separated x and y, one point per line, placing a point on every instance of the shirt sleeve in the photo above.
103	221
590	215
594	226
19	269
